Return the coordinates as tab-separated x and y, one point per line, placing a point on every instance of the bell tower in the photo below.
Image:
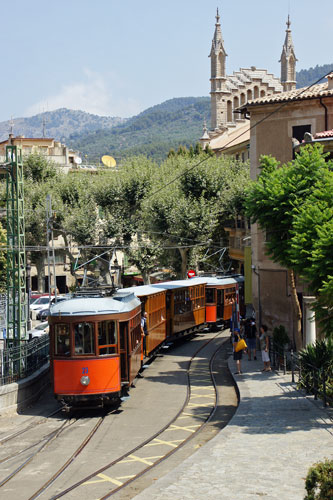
288	62
218	79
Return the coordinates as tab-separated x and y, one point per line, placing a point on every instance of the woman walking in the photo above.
264	346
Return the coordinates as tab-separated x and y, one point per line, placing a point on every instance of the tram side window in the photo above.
210	295
61	339
107	337
84	338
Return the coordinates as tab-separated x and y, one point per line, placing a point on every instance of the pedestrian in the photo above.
250	331
144	331
264	346
237	355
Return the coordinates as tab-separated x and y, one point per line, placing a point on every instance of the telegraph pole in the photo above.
16	266
50	248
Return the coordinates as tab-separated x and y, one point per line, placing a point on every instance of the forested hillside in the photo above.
307	77
59	124
153	132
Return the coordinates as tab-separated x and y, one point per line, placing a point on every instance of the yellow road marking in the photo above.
198	405
156	442
202	388
202	396
134	458
187	428
193	415
105	479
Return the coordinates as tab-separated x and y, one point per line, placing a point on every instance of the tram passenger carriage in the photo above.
96	345
221	299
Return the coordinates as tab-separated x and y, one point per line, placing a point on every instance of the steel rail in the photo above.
151	438
53	435
47	436
28	428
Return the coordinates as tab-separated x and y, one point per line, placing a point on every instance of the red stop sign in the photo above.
191	273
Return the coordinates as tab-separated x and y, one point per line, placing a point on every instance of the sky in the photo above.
118	58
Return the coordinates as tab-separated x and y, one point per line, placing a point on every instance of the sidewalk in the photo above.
266	450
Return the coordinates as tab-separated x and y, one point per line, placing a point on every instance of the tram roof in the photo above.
122	301
170	285
146	290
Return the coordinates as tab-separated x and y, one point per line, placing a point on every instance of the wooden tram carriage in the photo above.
96	346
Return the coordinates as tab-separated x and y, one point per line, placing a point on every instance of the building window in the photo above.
299	131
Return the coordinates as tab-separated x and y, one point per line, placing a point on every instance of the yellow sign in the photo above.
109	161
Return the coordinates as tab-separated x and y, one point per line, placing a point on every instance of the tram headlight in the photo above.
85	380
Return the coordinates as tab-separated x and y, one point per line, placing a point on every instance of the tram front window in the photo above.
84	338
61	339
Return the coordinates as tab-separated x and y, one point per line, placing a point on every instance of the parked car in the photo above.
40	303
39	330
42	314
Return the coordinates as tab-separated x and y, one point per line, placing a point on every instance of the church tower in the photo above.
288	62
218	80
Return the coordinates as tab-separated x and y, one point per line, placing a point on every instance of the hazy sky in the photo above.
118	58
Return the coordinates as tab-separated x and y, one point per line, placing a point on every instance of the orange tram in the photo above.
96	343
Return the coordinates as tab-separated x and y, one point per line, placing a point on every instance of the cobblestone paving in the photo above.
264	452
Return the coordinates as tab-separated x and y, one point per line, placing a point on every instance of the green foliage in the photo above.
314	359
38	168
294	204
280	337
324	307
177	122
319	481
306	77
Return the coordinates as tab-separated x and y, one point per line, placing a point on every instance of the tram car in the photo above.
185	305
222	294
95	347
96	343
153	302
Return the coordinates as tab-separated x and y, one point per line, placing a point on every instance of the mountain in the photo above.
153	132
306	77
59	124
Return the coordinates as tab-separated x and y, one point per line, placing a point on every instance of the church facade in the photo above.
229	132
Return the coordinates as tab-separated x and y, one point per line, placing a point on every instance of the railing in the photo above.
20	362
314	380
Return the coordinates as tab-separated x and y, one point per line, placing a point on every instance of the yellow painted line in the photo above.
203	396
126	477
187	428
195	415
105	479
134	458
202	388
198	405
157	442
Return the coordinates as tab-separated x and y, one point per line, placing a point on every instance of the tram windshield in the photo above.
61	338
84	338
107	337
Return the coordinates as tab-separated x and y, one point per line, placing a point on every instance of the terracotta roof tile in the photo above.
319	90
322	135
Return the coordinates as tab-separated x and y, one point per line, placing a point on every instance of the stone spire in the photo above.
218	78
288	62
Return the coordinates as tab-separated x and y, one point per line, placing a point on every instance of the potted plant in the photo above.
280	342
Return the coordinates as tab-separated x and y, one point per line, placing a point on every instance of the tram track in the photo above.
199	405
29	427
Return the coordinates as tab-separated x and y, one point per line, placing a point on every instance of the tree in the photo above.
277	201
191	200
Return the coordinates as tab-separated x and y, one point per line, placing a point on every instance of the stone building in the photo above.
229	131
54	151
278	126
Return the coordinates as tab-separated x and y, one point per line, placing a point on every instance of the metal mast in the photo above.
16	268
